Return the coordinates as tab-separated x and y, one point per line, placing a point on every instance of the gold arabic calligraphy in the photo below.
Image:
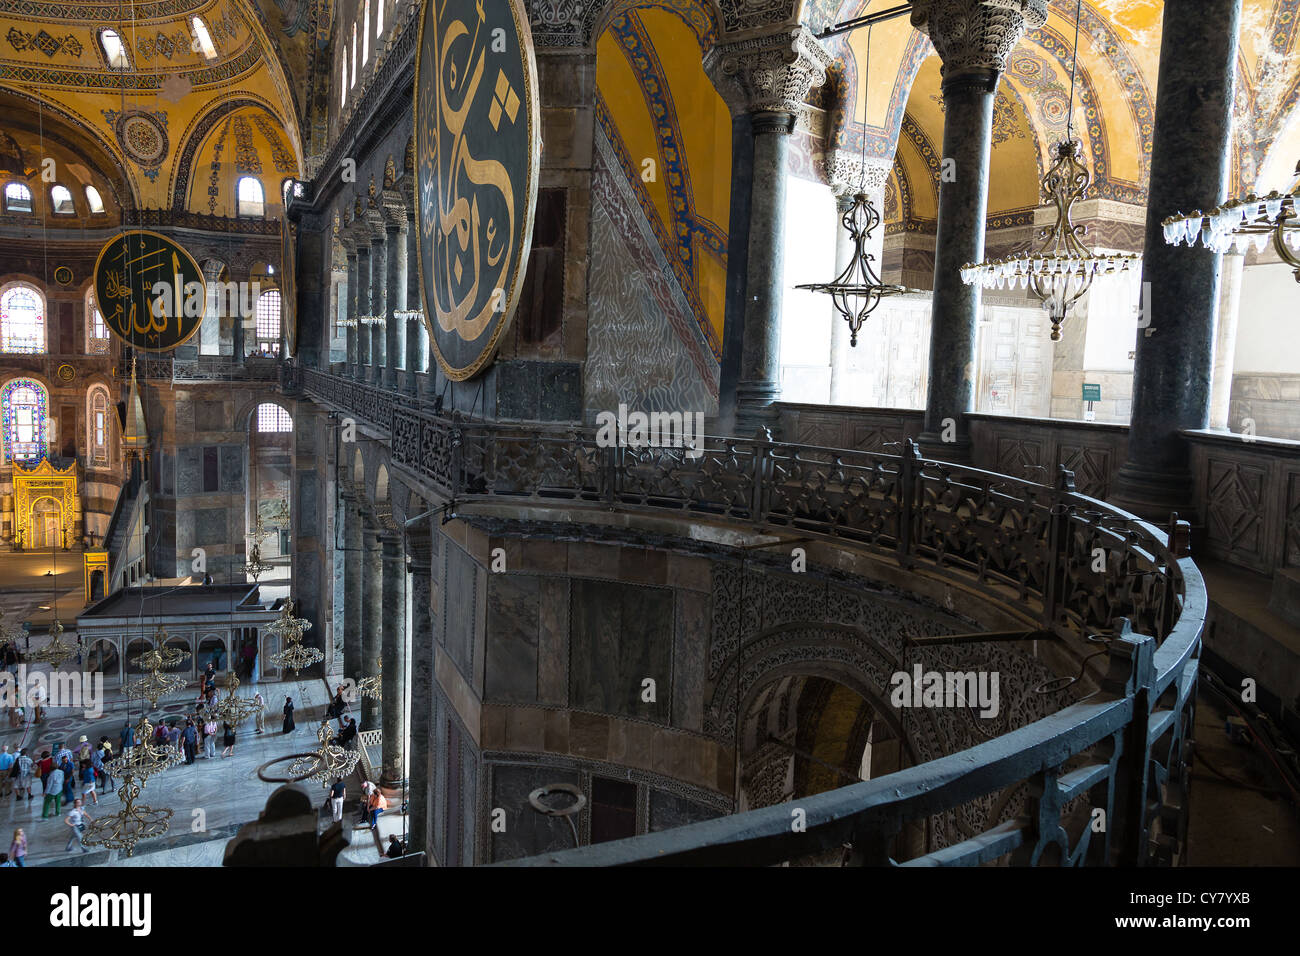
470	254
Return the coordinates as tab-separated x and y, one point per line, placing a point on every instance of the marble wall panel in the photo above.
512	622
620	635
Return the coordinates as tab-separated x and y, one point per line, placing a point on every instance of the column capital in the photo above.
768	72
975	37
848	173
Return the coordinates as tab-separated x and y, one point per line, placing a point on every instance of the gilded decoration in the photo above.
39	482
478	146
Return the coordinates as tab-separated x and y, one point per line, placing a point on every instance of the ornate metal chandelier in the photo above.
373	686
293	656
1063	268
231	709
857	291
57	652
328	762
155	684
135	822
1241	223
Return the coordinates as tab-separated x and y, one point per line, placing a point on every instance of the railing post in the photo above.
762	468
909	472
1131	675
1058	541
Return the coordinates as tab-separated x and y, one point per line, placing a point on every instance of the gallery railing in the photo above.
1086	570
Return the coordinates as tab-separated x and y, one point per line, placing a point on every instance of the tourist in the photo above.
227	739
43	767
69	780
377	804
367	787
62	753
189	740
83	748
395	847
337	793
288	715
348	734
7	772
97	764
77	819
209	739
52	788
127	737
260	714
24	783
18	848
88	782
174	736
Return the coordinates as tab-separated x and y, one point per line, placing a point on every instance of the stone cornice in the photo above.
975	37
768	72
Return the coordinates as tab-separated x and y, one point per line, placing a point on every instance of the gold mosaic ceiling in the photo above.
155	117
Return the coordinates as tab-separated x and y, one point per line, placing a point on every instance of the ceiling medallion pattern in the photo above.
142	135
44	43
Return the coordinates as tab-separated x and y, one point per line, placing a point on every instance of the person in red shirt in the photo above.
44	766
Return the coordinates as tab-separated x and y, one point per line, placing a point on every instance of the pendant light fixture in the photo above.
1063	268
856	292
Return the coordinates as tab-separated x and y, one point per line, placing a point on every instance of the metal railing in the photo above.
1085	569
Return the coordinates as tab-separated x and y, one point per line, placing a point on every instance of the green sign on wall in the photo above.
1091	393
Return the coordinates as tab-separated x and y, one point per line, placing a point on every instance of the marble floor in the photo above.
209	799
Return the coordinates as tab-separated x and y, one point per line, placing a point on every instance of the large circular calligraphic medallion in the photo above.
150	290
477	148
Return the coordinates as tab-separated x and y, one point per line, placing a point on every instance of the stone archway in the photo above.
46	523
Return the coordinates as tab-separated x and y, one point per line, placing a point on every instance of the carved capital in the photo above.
848	173
976	36
773	72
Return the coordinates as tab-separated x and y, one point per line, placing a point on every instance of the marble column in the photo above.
414	328
849	175
1225	341
372	618
378	305
393	706
350	311
973	41
733	323
363	307
1189	170
394	331
353	665
420	566
766	78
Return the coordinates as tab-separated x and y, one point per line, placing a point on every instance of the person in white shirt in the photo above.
78	819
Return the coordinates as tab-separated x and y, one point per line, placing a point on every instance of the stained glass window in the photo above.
23	409
22	324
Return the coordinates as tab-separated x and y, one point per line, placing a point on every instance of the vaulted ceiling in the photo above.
154	121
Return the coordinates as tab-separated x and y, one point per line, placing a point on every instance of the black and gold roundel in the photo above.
149	290
477	147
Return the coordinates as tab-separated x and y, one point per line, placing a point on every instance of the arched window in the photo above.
343	87
268	322
96	328
365	34
114	50
273	418
252	200
205	40
61	200
354	55
97	420
18	198
24	406
94	201
22	320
